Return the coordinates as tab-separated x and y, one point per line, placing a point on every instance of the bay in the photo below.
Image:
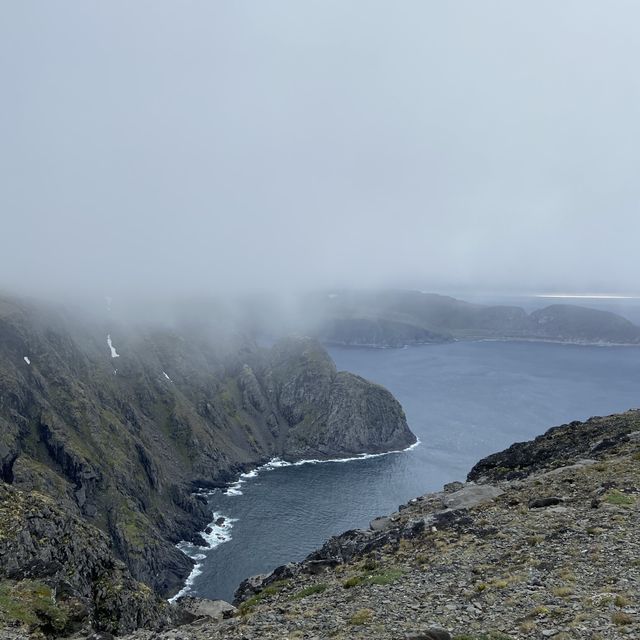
463	400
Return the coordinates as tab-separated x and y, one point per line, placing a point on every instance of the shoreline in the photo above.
276	463
233	489
219	534
575	343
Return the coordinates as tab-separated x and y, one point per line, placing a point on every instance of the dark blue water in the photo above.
463	400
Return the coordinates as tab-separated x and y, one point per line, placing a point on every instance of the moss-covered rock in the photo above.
58	574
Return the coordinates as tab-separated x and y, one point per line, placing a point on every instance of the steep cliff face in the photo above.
121	431
58	574
329	413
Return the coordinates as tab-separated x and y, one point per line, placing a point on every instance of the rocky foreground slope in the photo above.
106	430
540	542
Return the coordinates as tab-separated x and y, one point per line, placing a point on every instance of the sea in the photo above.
463	401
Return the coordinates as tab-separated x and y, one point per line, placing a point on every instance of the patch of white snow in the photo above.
114	353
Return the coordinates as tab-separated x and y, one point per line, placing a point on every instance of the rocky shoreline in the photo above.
539	542
252	472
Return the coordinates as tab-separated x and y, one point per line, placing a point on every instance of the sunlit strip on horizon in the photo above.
588	296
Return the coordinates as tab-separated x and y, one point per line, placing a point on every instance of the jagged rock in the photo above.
304	376
558	447
249	587
63	569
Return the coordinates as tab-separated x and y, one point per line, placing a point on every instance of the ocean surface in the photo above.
463	400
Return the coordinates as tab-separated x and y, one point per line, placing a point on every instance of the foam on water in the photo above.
234	489
219	533
277	463
362	456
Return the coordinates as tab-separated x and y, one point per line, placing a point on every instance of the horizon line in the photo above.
594	296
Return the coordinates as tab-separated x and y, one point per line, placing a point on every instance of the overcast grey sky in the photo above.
208	144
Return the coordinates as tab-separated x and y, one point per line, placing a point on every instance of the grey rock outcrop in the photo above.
570	444
471	496
201	608
59	575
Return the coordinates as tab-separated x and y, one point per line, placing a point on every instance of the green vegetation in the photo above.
621	619
621	601
267	592
388	576
134	526
309	591
353	582
618	498
369	565
32	604
360	617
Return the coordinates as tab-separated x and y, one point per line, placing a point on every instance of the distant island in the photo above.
395	318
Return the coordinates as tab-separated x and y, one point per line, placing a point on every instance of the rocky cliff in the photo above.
58	574
118	424
540	542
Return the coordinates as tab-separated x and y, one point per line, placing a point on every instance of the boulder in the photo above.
471	496
429	634
380	524
203	608
539	503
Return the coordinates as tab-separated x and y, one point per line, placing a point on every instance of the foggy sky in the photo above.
209	145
